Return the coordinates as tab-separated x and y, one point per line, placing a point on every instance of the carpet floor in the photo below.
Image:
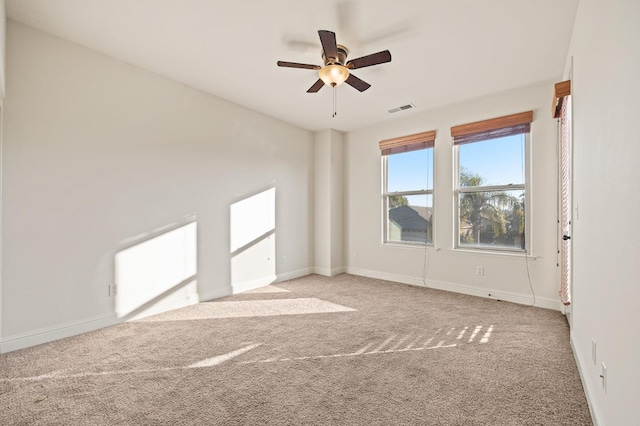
344	350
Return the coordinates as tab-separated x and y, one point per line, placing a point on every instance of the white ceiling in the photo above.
444	51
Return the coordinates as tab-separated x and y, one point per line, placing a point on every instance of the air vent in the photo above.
402	108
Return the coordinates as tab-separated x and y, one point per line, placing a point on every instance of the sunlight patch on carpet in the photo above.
486	336
209	362
250	308
217	360
267	289
441	338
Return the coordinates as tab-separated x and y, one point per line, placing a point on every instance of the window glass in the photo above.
496	161
492	219
408	197
491	194
410	170
409	218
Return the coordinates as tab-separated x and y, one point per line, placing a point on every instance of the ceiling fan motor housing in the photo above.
343	52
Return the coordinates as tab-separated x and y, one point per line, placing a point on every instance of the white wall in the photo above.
322	203
606	240
329	184
505	275
3	37
100	156
337	201
3	28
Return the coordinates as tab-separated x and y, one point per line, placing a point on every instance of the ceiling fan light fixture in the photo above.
333	75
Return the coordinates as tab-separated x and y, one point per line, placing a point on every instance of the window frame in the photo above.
410	142
525	187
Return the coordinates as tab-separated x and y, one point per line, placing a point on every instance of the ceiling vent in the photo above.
402	108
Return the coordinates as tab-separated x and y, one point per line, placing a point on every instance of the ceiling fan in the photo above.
336	69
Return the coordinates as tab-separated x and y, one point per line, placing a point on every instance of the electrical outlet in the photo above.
284	259
603	376
113	289
593	351
479	270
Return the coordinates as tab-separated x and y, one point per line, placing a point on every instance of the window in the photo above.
491	182
408	188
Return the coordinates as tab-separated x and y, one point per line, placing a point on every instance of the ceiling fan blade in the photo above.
297	65
329	45
356	83
367	61
316	86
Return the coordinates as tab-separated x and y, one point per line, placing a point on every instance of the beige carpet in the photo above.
313	351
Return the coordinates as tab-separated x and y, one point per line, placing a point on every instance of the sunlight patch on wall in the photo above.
252	218
158	271
253	241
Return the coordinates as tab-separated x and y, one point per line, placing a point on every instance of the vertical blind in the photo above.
562	100
408	143
508	125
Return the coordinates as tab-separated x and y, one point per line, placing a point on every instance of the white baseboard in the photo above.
586	384
404	279
217	294
161	307
61	331
49	334
294	274
252	285
329	272
525	299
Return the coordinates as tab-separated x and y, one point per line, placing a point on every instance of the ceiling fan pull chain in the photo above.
335	103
